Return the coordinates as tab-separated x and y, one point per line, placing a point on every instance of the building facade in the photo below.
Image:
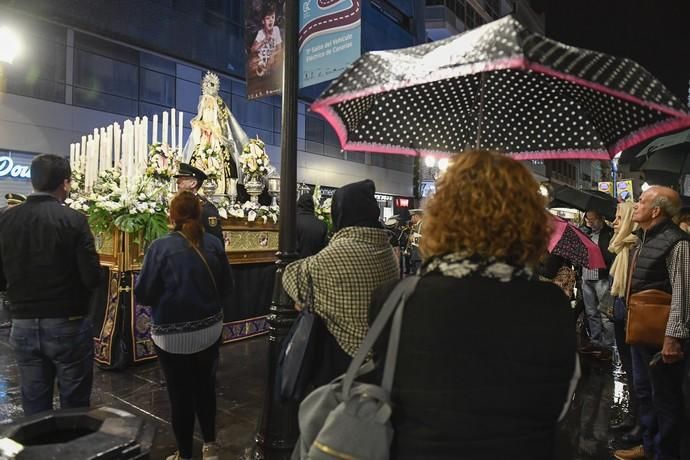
89	63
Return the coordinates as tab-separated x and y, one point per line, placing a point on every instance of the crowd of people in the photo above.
488	357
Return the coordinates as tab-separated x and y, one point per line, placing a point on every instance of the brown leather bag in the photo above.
647	317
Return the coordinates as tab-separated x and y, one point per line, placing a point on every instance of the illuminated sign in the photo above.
402	203
15	165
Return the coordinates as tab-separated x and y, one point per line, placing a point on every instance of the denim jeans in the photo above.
660	397
600	327
53	348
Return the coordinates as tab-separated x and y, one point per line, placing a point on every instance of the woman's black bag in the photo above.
297	359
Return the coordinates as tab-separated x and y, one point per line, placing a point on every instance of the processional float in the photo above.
122	179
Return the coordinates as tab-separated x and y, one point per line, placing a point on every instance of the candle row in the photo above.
125	147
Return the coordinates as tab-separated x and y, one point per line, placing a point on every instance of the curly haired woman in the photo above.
487	351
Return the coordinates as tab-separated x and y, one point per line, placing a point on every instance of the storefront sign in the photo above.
402	202
15	165
382	197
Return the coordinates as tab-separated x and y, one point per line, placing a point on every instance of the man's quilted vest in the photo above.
650	271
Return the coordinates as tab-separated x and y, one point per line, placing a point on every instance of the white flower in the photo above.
251	217
275	218
223	213
265	218
237	213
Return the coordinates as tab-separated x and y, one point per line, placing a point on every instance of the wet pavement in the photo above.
140	390
601	398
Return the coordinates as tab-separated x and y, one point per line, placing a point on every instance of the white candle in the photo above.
89	162
164	135
109	147
71	156
116	144
132	145
97	153
125	154
137	146
154	138
145	143
180	131
83	154
172	129
102	149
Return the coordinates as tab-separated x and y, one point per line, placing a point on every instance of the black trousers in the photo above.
191	381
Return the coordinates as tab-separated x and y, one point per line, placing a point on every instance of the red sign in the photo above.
402	202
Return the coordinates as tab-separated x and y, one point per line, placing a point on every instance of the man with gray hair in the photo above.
662	262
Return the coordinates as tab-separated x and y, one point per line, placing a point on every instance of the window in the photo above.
157	88
314	130
106	76
40	73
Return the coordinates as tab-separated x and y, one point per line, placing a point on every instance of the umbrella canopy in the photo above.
501	87
667	154
570	243
584	200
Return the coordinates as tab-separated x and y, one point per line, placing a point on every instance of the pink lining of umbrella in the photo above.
559	225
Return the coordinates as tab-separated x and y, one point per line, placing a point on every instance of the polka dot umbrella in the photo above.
501	87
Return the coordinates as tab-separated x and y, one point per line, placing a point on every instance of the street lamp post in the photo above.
278	425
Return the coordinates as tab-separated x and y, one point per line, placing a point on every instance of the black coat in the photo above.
49	261
210	219
483	368
312	233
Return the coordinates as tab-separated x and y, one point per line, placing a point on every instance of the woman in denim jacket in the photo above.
185	279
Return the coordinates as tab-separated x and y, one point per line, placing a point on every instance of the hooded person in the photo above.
339	280
312	233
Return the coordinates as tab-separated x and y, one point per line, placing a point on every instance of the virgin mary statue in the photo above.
217	138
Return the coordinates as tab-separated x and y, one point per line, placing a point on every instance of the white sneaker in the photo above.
210	451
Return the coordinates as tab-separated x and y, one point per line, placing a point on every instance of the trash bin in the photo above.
103	433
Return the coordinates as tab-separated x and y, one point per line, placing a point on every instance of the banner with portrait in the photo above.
329	38
264	31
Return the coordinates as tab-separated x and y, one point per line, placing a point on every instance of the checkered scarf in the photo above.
356	261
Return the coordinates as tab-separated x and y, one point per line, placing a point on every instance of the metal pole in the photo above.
278	428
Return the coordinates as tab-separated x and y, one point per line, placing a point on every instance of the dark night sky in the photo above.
655	33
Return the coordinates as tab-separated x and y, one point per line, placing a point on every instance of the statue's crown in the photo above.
211	84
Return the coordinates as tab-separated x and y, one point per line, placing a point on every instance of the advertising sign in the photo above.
263	32
606	187
329	38
624	190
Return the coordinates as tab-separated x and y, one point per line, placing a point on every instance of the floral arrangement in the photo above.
254	160
164	162
323	210
140	209
209	159
253	212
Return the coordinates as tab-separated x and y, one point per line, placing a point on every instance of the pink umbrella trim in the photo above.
336	122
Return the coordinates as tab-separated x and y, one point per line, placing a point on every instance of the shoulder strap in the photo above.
203	259
396	300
